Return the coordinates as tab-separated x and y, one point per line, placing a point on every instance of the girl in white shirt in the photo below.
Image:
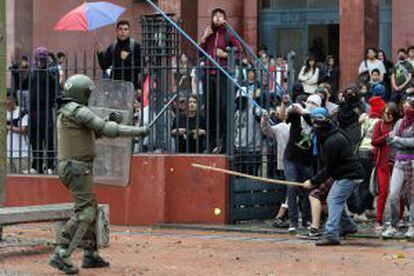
309	76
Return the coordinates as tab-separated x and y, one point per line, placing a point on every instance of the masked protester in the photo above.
402	180
384	159
43	88
298	166
342	165
348	115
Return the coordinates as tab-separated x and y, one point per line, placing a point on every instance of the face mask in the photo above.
351	98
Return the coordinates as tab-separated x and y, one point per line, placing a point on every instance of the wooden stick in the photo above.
267	180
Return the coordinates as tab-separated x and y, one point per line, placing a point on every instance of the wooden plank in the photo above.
258	198
35	213
250	213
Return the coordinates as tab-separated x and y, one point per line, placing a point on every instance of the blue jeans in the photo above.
297	196
338	219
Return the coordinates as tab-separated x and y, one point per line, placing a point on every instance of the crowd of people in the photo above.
375	116
348	146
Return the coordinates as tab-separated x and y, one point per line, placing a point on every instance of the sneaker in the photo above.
312	234
278	223
31	171
409	235
361	218
63	264
292	229
390	233
50	172
344	233
402	224
327	242
378	227
94	261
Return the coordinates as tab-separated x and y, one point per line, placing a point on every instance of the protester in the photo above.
309	76
43	86
280	134
342	165
383	158
215	41
348	115
323	91
402	180
368	122
298	163
123	56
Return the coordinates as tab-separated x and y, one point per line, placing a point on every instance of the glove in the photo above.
144	131
115	117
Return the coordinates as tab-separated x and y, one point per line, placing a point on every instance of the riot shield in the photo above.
113	156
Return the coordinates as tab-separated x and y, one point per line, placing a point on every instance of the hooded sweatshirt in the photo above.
220	39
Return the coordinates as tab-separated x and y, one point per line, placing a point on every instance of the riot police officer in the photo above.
78	128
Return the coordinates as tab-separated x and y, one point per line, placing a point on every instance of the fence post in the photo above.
291	70
231	68
3	105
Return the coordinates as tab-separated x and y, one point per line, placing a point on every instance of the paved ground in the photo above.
146	251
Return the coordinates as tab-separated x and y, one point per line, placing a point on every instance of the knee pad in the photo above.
87	215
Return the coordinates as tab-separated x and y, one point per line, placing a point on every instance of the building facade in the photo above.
343	28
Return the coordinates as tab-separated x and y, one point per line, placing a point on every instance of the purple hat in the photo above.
41	53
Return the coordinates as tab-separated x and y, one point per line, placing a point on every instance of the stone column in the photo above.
359	29
250	26
402	22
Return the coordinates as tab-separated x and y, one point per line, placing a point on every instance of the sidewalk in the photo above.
156	251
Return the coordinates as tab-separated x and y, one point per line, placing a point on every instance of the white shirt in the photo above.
371	65
17	145
309	80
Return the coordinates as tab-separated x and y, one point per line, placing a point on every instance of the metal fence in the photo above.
207	116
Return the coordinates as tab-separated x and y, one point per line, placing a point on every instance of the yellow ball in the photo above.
217	211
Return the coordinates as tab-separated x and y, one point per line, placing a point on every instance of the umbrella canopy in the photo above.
90	16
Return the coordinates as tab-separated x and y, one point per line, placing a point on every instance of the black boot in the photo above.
93	260
327	242
63	264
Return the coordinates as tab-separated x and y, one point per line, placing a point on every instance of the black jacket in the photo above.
293	151
127	69
339	159
43	90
